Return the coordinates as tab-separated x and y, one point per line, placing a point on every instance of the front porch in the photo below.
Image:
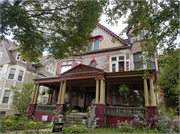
102	90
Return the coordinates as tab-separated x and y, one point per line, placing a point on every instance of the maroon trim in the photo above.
112	34
92	61
100	37
103	55
81	65
59	68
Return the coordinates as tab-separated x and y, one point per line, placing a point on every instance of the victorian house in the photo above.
94	78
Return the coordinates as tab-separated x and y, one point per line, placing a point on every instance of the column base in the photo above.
100	113
31	109
63	107
151	114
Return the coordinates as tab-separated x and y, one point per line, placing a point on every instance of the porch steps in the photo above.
75	119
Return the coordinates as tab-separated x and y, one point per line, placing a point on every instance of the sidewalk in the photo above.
21	131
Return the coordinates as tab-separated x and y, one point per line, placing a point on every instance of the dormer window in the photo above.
23	60
96	44
18	57
50	68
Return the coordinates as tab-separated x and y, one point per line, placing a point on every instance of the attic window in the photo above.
18	57
93	63
23	60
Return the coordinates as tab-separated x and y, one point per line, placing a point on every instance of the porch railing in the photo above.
92	115
56	113
45	107
124	111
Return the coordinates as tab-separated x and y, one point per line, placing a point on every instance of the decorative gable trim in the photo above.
112	34
81	69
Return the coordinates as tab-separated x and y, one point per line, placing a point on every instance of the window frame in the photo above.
137	61
18	55
117	62
20	76
1	55
93	60
6	96
12	74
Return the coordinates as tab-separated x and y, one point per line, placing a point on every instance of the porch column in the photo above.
97	90
36	95
60	92
153	99
34	92
102	92
63	93
146	92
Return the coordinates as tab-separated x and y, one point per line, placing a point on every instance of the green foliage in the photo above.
50	91
123	90
161	18
60	27
169	78
75	129
22	98
124	126
74	111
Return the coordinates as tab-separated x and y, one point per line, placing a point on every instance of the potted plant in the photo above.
84	118
60	116
50	91
123	90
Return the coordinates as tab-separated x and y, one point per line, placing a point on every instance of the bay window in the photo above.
20	76
12	73
6	96
152	61
137	61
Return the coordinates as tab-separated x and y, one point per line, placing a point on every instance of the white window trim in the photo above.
9	96
24	61
19	57
22	75
1	56
116	62
14	73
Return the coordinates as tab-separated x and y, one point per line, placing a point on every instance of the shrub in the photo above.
124	126
50	91
75	129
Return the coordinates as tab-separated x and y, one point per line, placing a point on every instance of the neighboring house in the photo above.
95	76
14	71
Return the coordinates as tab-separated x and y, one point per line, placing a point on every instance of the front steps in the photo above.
76	119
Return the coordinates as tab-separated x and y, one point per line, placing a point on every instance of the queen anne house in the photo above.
95	76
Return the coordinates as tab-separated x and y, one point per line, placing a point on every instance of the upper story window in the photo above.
117	63
4	73
0	72
12	73
20	76
50	68
1	53
96	44
137	61
93	63
18	57
65	65
152	61
23	60
6	96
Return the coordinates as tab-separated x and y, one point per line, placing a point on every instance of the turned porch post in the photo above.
97	90
153	99
36	95
34	92
60	92
146	92
63	93
102	92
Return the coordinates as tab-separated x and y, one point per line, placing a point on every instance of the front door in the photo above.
121	66
88	99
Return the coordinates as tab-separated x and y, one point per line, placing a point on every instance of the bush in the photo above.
75	129
124	126
50	91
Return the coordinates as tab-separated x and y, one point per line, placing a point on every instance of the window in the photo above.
4	73
96	44
47	68
135	38
2	113
78	62
93	63
152	61
12	73
65	68
138	95
0	72
90	45
145	34
1	53
6	96
117	63
23	60
137	59
18	57
50	68
69	62
45	99
20	75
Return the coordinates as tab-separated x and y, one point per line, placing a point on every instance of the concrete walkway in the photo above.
21	131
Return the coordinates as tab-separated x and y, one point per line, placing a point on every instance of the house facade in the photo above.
14	71
95	76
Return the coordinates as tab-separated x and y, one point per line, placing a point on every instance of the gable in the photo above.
82	69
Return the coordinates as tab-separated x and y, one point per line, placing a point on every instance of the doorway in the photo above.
121	66
90	94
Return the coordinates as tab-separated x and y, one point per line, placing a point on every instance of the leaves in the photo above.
22	98
60	27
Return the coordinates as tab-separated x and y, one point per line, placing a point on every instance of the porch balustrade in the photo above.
124	111
45	107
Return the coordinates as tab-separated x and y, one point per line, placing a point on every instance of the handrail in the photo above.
92	115
56	113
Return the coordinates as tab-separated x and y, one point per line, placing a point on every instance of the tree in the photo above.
60	27
160	18
22	98
169	78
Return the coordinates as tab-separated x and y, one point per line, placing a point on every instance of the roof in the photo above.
112	34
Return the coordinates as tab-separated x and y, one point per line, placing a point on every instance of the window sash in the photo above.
96	44
65	68
7	93
5	99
